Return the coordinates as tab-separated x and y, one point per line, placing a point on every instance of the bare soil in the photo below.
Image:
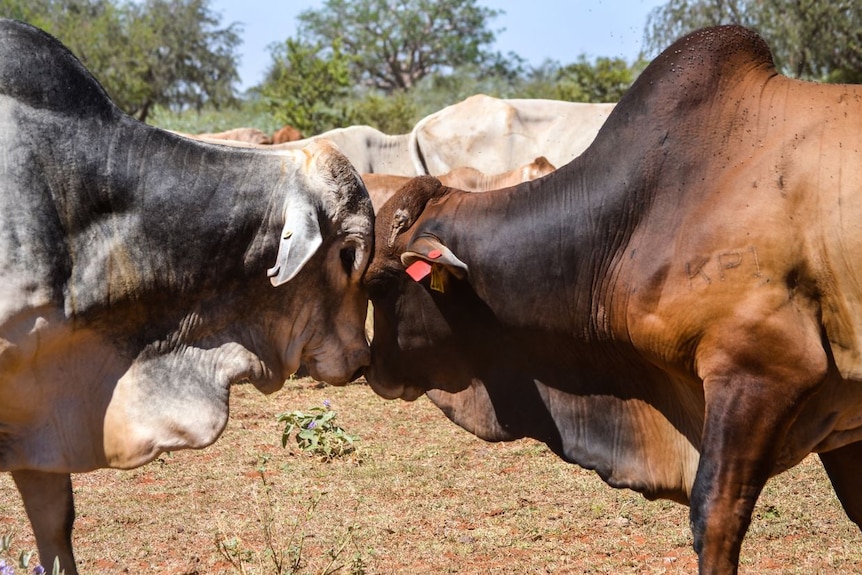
419	496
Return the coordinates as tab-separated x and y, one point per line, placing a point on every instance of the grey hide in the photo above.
143	274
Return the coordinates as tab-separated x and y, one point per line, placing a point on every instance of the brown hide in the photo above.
286	133
382	186
472	180
678	308
249	135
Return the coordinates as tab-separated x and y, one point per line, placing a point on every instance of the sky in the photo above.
536	30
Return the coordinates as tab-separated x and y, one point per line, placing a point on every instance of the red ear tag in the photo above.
434	254
418	270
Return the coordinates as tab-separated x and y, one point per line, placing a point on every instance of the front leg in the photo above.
755	383
730	477
50	507
844	467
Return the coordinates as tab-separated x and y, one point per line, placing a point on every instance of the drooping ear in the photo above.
430	251
300	239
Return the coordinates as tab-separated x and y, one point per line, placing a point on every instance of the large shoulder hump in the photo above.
697	62
37	70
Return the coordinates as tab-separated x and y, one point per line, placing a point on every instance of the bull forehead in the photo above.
404	209
322	189
342	192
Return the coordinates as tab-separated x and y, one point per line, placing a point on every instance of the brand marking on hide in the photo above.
722	266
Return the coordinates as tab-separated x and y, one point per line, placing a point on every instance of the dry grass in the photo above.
420	496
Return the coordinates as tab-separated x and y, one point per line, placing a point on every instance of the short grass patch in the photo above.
416	495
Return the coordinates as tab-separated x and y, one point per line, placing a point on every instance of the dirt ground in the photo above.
419	496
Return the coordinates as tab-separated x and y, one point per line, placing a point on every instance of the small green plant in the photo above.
317	432
23	562
770	512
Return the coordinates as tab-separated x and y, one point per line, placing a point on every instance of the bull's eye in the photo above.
348	258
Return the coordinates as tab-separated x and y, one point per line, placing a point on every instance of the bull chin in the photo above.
318	373
398	391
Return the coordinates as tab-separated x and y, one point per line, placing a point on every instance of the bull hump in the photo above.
37	70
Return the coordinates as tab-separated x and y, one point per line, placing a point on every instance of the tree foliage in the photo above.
393	114
605	80
307	86
810	39
185	58
168	53
396	43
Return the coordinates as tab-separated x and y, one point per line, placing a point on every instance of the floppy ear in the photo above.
425	252
300	239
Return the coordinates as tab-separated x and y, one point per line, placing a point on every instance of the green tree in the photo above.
606	80
810	39
167	53
393	114
437	91
396	43
178	57
89	28
307	86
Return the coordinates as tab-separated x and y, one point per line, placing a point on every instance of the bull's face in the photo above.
328	336
418	289
334	237
434	333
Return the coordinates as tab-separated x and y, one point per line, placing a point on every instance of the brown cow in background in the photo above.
382	186
286	133
250	135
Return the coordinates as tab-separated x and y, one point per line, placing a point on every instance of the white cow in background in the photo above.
488	134
368	149
494	135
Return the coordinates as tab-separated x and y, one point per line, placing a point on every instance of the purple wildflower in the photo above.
326	403
38	570
6	569
311	425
